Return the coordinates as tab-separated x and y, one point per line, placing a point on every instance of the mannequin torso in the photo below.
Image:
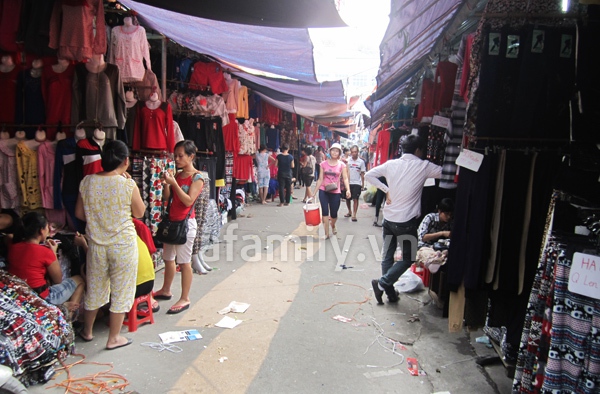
4	135
20	135
80	134
36	68
40	136
99	137
128	26
96	64
153	102
7	64
60	136
61	66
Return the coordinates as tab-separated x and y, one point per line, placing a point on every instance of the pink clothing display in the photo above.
9	194
128	51
46	153
77	29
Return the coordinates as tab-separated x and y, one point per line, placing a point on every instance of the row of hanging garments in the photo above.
560	341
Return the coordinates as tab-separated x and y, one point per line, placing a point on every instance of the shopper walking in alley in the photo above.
263	160
285	164
328	185
307	172
406	177
356	176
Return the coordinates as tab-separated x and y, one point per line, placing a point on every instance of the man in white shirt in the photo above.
356	175
406	177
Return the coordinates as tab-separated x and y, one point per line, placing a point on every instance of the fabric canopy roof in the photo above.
331	92
414	29
272	13
286	52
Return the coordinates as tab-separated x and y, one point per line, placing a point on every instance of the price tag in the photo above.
469	159
584	277
440	121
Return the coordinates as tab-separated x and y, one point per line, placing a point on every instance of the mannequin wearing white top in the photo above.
129	49
99	137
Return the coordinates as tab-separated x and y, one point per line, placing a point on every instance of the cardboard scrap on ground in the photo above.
179	336
228	322
235	307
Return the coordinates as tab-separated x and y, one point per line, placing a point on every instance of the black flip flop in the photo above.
175	310
84	339
129	342
161	297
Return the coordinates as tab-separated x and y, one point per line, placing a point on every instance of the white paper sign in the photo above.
228	322
584	277
469	159
179	336
440	121
429	182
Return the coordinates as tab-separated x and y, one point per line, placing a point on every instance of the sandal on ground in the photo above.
177	309
354	219
161	297
347	215
80	335
334	230
376	224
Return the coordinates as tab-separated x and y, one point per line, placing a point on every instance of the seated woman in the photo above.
435	227
32	258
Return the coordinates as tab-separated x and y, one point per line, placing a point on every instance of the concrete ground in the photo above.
289	340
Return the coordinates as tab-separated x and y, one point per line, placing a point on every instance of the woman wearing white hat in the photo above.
328	186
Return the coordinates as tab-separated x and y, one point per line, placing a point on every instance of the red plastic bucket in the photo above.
312	215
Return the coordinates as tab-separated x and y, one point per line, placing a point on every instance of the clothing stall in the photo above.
514	95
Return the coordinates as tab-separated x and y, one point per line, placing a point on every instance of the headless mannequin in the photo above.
128	26
80	134
61	66
40	136
60	136
99	137
7	64
36	68
20	135
153	102
4	135
96	64
130	99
